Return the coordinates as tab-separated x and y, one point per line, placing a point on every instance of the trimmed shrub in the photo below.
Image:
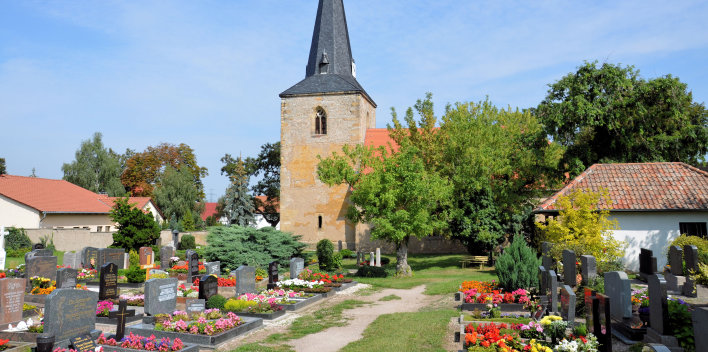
216	301
235	246
134	273
325	255
371	271
385	261
187	242
237	305
17	238
347	253
517	267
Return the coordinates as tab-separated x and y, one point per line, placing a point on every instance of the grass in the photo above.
13	262
440	273
419	331
257	347
389	298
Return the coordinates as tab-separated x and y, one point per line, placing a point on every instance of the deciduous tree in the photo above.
3	170
95	168
178	197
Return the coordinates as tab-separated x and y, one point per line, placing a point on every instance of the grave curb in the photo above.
200	340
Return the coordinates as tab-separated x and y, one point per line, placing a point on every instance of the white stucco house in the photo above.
39	203
653	203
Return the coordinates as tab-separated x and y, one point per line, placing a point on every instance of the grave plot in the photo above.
479	295
106	308
40	273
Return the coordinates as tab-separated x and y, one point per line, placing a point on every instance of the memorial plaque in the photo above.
40	266
297	265
66	277
245	279
12	298
213	268
195	306
83	343
272	275
69	312
108	284
208	286
160	296
89	257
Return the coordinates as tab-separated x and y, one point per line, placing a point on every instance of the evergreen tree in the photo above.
238	204
2	166
135	227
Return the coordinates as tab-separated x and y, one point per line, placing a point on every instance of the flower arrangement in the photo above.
133	300
26	307
103	308
640	297
86	274
532	330
299	283
554	326
42	285
3	275
285	293
201	326
496	297
192	291
137	342
489	335
579	344
221	281
3	344
534	346
182	269
480	286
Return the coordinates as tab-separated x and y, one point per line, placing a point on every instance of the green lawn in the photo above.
13	262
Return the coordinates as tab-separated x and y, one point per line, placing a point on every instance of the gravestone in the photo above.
72	260
12	299
378	256
121	316
3	254
39	253
676	260
108	283
69	313
372	260
690	254
297	265
245	279
567	300
588	297
160	296
146	256
553	290
588	268
699	318
66	278
658	308
40	266
89	257
619	290
546	259
213	268
192	265
166	252
111	255
175	239
647	263
569	268
157	272
542	277
208	286
195	306
358	258
272	275
602	322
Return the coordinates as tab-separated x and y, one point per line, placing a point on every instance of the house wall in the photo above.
153	210
651	230
92	221
15	214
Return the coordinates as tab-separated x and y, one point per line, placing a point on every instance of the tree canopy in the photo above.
178	197
95	168
135	227
238	204
144	170
3	170
610	114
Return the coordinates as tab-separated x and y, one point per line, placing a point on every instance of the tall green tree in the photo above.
135	228
392	191
95	168
177	195
238	204
610	114
3	170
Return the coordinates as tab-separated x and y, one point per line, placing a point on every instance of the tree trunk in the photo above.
402	267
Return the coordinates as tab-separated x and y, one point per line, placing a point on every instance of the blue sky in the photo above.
208	73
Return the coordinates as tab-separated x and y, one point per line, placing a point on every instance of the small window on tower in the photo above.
321	122
319	222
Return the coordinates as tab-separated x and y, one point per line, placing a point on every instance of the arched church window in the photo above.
321	122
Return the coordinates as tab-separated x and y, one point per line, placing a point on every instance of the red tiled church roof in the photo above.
641	186
377	137
209	210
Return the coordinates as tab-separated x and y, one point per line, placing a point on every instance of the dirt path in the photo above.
333	339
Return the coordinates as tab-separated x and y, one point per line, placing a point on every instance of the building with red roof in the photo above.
210	210
32	203
653	203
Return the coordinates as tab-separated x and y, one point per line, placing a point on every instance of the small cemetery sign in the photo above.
108	284
195	306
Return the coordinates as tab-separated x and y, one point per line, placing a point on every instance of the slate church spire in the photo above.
330	66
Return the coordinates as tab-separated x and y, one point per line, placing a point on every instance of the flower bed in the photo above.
256	305
136	342
304	286
502	337
132	300
86	274
203	340
221	281
480	286
191	292
42	285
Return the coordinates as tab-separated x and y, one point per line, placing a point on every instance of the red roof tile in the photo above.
377	137
264	199
642	186
209	210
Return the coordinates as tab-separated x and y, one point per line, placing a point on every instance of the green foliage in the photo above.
268	163
699	242
238	204
18	253
517	267
3	170
347	253
680	324
216	301
178	196
583	228
134	274
371	271
187	242
610	114
135	228
48	242
235	246
237	305
17	238
325	255
580	330
95	168
133	258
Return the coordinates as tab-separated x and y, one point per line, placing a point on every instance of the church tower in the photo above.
320	114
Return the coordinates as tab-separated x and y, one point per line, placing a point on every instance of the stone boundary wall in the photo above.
77	239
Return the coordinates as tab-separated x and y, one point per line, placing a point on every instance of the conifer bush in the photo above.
216	301
517	267
234	246
325	255
134	273
187	242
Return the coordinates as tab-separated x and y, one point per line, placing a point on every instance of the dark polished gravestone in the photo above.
659	313
213	268
542	277
166	252
570	272
297	265
192	265
160	296
108	284
40	266
273	269
12	299
69	313
647	263
208	286
602	322
676	260
111	255
699	317
66	277
195	306
690	253
245	279
567	302
89	257
552	282
588	268
588	296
